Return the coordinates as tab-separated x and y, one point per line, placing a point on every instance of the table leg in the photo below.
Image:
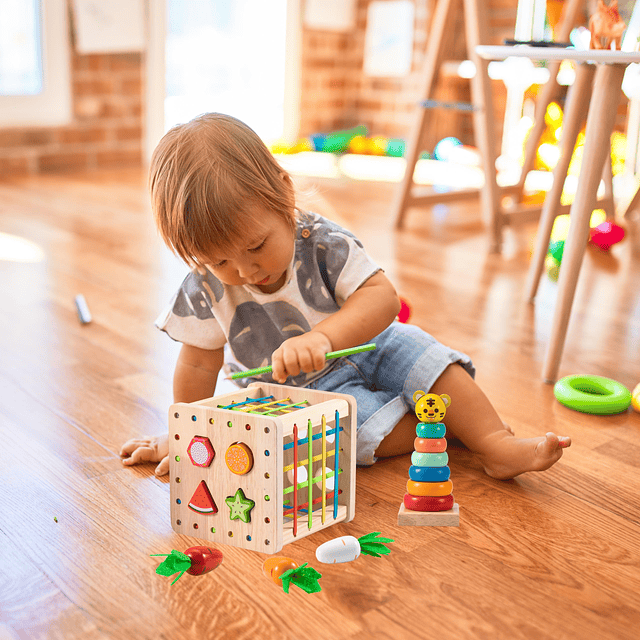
603	109
575	114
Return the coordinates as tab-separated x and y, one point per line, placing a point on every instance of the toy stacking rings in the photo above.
592	394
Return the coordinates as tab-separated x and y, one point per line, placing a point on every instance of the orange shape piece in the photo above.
430	445
239	458
429	488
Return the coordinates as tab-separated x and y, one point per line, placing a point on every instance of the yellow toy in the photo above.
431	407
635	398
429	499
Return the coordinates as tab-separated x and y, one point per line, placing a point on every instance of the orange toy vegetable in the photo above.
284	571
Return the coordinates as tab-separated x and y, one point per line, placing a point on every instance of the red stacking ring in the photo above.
428	503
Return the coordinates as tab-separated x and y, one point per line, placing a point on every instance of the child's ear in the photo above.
417	395
446	399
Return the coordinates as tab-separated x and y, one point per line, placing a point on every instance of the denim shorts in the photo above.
383	381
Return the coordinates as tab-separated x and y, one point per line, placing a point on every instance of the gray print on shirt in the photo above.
319	268
276	320
195	296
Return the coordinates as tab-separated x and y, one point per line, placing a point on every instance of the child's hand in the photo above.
147	449
302	353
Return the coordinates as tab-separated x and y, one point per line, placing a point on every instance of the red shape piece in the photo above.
202	501
428	503
200	451
605	235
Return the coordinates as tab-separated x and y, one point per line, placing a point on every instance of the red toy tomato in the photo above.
195	561
203	560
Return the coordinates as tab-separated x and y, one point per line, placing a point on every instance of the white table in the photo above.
602	110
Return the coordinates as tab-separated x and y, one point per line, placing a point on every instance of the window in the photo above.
34	63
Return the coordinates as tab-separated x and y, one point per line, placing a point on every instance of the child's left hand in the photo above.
305	352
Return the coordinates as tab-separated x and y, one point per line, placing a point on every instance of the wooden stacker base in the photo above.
408	518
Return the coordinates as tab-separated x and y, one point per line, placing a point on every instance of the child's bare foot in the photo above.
507	456
147	449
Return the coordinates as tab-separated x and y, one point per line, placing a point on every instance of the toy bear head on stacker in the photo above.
430	407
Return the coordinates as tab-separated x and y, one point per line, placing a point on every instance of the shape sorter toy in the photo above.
429	499
240	465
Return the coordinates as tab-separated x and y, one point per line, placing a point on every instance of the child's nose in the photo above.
247	268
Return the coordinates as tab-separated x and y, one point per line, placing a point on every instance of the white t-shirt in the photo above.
329	264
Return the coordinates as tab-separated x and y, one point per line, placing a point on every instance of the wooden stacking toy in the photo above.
429	501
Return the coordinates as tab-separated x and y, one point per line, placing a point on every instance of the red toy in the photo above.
196	561
405	311
605	235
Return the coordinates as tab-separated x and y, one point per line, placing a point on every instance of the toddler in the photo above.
281	286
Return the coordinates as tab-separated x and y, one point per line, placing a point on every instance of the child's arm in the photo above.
367	312
196	373
194	379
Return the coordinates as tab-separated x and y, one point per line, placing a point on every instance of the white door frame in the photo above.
155	73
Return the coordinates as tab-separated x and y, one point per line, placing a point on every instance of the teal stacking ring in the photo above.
429	459
430	430
592	394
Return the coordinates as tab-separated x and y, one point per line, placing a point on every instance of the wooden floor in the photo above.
548	555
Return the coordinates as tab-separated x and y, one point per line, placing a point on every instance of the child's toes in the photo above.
564	441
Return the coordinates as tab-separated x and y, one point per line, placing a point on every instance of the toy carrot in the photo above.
284	571
195	561
348	548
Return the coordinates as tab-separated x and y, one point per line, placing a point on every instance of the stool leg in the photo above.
608	203
483	120
633	205
600	121
547	93
575	114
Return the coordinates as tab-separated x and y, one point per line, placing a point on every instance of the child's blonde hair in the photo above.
203	178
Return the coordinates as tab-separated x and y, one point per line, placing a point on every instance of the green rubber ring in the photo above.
592	394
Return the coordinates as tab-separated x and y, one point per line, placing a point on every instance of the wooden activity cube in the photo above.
261	421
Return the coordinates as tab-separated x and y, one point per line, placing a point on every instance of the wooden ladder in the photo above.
407	194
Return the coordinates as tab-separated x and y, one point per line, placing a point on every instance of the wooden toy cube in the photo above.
253	430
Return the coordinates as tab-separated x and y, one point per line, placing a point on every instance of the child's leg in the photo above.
147	449
473	420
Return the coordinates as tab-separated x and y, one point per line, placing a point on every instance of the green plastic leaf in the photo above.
175	562
371	545
304	577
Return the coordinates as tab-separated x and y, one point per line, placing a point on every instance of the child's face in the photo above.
261	258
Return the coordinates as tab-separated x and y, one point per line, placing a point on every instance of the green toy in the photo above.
592	394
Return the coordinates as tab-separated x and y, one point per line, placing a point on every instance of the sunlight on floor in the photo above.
17	249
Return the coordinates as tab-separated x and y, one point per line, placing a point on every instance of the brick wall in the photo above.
106	128
336	94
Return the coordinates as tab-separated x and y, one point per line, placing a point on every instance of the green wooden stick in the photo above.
331	354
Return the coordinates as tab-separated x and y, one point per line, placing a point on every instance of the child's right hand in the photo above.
305	352
147	449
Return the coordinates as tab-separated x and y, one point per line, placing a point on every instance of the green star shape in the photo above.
240	506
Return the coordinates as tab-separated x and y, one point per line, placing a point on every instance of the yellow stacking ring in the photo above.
429	488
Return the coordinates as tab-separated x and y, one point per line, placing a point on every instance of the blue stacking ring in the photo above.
429	474
429	459
430	430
